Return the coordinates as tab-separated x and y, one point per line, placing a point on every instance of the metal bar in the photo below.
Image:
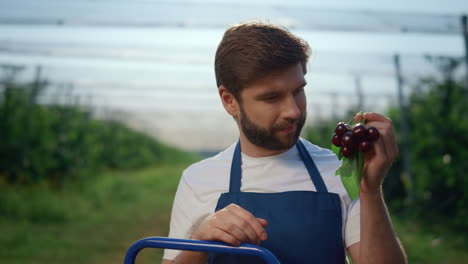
197	245
360	96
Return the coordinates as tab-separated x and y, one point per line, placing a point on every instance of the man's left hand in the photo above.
380	159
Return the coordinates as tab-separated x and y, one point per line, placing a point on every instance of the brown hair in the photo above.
250	51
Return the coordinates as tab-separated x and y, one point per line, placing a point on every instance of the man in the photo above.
272	188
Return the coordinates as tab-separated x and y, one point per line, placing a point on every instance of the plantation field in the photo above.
92	223
96	222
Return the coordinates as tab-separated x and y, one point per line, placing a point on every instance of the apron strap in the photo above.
236	169
311	168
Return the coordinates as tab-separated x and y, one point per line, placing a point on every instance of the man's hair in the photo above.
251	51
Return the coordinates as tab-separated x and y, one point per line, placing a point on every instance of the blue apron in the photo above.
303	226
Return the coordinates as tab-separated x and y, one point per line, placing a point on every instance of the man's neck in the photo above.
255	151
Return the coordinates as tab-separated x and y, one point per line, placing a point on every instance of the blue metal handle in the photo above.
197	245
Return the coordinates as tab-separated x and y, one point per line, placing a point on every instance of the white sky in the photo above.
420	6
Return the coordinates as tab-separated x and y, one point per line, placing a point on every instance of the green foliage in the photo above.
50	143
425	244
88	221
438	144
321	133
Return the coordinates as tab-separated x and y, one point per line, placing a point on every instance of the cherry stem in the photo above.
362	120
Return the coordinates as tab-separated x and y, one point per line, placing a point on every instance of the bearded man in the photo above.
271	187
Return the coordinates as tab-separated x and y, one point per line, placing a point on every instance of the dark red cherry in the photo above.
359	131
365	146
336	140
372	134
342	128
347	140
347	152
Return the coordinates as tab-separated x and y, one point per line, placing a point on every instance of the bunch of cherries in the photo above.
352	139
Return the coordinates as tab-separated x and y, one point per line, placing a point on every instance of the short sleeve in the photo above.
197	195
185	216
353	223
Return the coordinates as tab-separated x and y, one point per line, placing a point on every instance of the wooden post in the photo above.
404	132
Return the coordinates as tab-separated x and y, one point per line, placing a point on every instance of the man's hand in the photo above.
378	161
233	225
378	242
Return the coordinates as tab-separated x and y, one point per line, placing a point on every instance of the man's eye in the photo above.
270	98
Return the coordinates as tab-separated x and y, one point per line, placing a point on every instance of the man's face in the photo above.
273	109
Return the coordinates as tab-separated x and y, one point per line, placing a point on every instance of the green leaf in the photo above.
351	185
349	177
337	151
347	167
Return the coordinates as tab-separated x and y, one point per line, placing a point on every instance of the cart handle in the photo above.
197	245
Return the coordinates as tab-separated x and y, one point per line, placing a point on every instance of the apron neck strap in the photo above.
236	169
311	168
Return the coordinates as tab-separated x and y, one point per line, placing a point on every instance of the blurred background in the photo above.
104	103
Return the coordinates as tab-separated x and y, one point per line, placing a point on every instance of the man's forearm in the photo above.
379	243
189	257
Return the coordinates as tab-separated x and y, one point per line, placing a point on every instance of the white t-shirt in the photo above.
203	182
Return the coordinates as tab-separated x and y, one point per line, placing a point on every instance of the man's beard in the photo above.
266	138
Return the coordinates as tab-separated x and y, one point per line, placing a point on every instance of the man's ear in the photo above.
229	101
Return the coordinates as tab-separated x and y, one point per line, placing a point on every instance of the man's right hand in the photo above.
233	225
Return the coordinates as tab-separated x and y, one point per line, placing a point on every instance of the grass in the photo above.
430	244
88	223
96	222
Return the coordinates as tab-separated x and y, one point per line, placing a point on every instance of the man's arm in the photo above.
378	243
188	257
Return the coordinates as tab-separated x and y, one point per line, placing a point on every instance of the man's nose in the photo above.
291	109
